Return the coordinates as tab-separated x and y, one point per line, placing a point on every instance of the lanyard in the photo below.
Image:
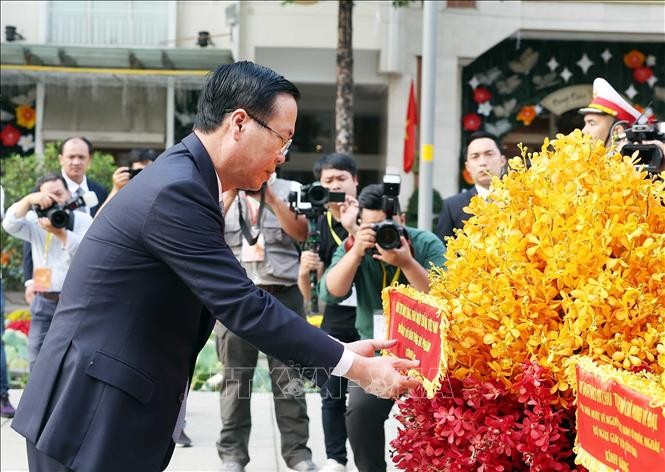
243	226
335	236
47	246
385	275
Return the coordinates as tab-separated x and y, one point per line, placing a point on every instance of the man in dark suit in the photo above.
75	157
484	159
149	279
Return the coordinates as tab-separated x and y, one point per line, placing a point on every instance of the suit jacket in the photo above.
102	195
452	213
142	293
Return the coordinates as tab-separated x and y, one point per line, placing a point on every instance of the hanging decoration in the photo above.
634	59
642	74
17	120
527	114
519	73
471	122
481	95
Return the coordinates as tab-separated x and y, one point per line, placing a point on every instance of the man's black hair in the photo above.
141	155
85	140
337	161
371	197
50	177
481	135
245	85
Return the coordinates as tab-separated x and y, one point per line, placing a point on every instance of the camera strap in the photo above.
334	235
47	246
246	232
395	278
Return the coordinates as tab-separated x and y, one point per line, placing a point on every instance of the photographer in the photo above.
360	261
52	249
337	173
262	232
139	159
609	117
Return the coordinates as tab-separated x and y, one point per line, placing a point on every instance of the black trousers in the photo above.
40	462
365	417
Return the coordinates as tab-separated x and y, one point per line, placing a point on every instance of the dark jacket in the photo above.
139	302
452	214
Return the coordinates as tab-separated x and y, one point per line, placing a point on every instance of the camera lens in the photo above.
388	236
58	218
318	195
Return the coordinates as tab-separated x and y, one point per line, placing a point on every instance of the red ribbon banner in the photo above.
617	427
416	326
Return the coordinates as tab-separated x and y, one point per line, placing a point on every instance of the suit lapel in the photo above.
203	163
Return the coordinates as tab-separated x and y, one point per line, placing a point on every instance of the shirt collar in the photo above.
482	191
73	186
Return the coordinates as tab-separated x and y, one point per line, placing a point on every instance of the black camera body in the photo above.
651	157
133	172
389	233
59	215
312	199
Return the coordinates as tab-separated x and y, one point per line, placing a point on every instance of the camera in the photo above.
388	233
59	214
650	155
133	172
312	198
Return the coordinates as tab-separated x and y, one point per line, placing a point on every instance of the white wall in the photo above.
25	15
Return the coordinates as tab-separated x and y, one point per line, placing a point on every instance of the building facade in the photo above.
126	73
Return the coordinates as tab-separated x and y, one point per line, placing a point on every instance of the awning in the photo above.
22	64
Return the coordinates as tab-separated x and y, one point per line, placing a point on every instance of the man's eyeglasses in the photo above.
285	142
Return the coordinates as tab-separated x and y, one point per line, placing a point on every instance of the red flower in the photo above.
481	95
471	122
633	59
9	136
20	325
482	425
642	74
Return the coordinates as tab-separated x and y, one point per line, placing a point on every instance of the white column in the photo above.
170	113
39	121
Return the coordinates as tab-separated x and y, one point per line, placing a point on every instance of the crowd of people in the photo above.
124	293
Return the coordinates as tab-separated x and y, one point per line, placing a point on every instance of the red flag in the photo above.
410	131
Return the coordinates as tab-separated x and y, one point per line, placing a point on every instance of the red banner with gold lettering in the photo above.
417	322
618	427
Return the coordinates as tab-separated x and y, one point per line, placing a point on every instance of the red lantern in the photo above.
481	95
471	122
9	136
642	74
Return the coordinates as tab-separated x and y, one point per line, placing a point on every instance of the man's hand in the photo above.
60	233
29	293
42	199
349	210
120	178
380	376
399	257
365	239
309	261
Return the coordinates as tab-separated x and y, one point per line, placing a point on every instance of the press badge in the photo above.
42	279
379	325
255	253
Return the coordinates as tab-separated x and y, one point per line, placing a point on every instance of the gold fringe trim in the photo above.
592	464
643	382
430	386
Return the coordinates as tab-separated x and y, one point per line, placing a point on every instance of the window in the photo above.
109	23
315	133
